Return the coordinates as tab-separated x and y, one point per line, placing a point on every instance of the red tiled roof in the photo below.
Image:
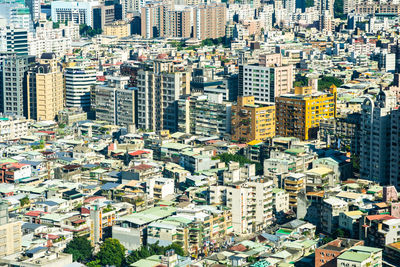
34	213
90	199
143	167
239	247
380	217
52	237
79	221
139	152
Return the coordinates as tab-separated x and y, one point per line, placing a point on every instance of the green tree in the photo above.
111	253
80	248
338	9
327	81
24	201
177	248
153	249
95	263
300	80
309	3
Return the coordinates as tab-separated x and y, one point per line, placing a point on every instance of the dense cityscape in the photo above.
190	133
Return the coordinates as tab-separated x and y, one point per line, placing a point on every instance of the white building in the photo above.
78	12
281	200
78	82
251	204
159	188
375	140
330	211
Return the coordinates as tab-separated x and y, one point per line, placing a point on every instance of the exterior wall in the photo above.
10	238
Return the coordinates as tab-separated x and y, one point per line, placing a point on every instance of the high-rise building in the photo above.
16	14
115	101
34	8
45	89
153	20
266	80
375	143
299	115
10	233
252	122
103	15
78	12
158	92
251	204
78	82
204	115
13	70
179	23
14	40
395	148
209	21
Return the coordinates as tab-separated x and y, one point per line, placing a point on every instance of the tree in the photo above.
95	263
80	248
24	201
327	81
153	249
300	80
111	253
309	3
338	9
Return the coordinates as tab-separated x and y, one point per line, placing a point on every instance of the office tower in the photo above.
395	148
45	88
299	115
265	83
115	101
78	12
252	122
13	77
103	15
204	115
34	8
78	82
158	92
209	21
14	40
375	141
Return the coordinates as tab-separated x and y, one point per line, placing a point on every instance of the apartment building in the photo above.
360	256
10	233
118	28
13	99
299	115
204	115
375	143
114	101
281	200
251	204
45	88
103	15
327	254
379	230
252	122
209	21
15	40
159	188
78	83
330	211
293	184
265	81
350	221
12	128
158	92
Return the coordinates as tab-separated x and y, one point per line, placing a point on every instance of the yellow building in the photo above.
119	28
252	122
10	238
299	115
45	88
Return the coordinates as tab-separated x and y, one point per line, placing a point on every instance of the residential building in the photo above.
360	256
14	40
251	204
375	140
45	89
350	221
10	233
158	92
331	209
299	115
379	230
265	81
12	128
327	254
251	121
118	28
159	188
293	184
78	83
103	15
204	115
281	200
114	102
209	21
13	98
394	148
